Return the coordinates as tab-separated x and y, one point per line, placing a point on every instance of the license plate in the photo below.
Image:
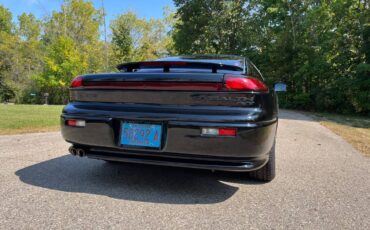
144	135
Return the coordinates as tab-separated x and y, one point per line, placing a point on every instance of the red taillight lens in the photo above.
71	122
227	132
242	83
77	82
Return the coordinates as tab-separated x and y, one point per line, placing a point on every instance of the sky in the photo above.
144	8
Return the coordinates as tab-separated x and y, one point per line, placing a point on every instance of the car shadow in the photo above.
133	182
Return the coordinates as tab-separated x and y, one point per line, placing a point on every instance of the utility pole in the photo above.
105	38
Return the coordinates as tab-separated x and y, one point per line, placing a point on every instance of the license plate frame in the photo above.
136	140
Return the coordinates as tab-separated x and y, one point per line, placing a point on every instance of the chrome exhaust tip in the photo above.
80	152
72	150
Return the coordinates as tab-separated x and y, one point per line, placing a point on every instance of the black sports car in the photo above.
204	111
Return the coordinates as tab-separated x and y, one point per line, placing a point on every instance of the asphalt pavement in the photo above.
322	183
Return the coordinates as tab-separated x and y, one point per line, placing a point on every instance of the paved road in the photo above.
321	183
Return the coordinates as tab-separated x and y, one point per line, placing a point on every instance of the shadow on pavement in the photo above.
132	181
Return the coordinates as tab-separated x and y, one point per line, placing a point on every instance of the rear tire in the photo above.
267	172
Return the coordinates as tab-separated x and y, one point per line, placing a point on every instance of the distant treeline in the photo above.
320	49
39	56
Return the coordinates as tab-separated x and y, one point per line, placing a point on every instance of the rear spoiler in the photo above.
167	65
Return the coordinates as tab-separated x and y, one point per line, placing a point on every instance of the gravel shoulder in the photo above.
322	183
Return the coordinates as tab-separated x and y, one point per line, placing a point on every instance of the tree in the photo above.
79	21
21	53
6	24
73	47
122	42
62	63
136	39
319	48
7	44
29	27
210	26
29	48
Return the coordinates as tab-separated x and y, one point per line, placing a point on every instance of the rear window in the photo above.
199	64
233	62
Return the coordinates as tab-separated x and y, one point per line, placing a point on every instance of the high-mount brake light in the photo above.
77	82
242	83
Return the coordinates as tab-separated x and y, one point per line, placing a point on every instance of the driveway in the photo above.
321	183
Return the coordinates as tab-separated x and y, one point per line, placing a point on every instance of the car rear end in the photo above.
197	114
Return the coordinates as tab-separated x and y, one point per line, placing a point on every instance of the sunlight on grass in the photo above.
29	118
355	130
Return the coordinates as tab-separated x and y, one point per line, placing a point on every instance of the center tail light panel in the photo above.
231	82
180	86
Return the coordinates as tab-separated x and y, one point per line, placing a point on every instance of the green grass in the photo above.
29	118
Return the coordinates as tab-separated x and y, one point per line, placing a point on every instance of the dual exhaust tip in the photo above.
77	151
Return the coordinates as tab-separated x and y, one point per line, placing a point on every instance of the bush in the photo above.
302	101
6	92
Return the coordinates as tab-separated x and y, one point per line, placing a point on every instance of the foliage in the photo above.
136	39
6	93
210	27
62	63
7	41
320	49
5	20
122	40
43	56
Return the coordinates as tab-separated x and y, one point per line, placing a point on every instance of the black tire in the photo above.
267	172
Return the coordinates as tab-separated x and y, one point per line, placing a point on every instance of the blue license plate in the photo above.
144	135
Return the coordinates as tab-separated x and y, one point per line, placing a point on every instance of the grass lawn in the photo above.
355	130
29	118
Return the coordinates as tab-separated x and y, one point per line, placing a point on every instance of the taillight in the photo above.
225	132
76	123
242	83
77	82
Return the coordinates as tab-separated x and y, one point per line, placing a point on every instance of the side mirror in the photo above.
280	87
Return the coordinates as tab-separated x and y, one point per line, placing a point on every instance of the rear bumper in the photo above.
183	146
178	160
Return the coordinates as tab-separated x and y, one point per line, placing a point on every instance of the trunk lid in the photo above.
190	89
